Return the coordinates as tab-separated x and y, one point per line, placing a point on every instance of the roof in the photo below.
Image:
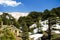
10	26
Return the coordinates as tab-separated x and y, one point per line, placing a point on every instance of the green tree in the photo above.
6	18
25	34
56	11
35	16
50	17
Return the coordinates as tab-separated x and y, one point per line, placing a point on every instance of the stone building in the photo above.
16	31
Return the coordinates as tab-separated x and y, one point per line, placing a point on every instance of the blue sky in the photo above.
28	5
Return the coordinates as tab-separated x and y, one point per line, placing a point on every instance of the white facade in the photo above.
45	26
36	36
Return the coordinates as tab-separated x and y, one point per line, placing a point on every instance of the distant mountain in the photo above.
16	14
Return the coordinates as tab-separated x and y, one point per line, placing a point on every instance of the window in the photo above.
11	25
59	23
15	31
19	32
43	23
0	26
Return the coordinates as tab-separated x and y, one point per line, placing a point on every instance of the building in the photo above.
36	36
15	30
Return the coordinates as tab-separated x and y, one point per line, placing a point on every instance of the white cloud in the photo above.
9	3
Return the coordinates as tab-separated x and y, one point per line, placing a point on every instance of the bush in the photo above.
7	35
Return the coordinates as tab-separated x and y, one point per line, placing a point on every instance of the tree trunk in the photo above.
49	29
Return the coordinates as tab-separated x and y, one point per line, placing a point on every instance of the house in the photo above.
44	25
45	28
15	30
36	36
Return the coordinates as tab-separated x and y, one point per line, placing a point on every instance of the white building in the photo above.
44	28
36	36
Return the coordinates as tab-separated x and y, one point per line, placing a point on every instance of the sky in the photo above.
27	5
